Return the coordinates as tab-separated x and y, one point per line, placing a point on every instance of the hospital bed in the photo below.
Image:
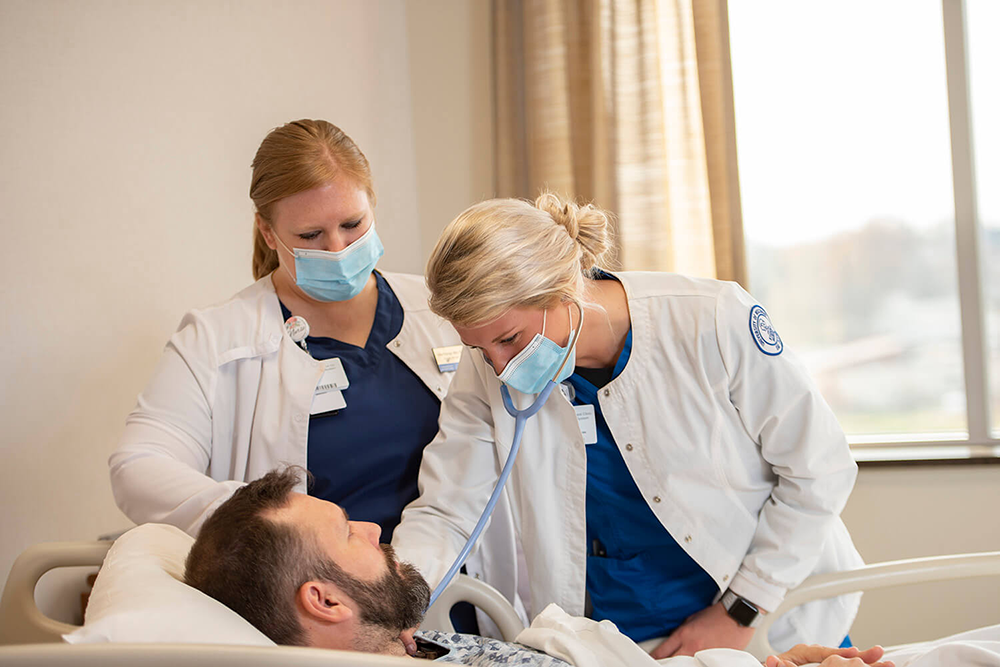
30	639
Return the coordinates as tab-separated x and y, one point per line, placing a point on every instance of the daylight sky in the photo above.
842	114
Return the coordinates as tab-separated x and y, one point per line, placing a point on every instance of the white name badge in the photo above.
447	357
328	401
587	420
334	377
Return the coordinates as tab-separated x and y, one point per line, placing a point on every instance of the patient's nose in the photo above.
372	531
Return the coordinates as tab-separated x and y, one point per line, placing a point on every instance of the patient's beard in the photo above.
398	600
389	605
376	639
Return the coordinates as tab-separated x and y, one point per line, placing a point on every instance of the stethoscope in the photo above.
520	419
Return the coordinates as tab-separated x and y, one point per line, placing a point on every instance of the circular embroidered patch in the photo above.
764	335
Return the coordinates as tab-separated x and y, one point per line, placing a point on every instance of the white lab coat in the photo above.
735	451
230	401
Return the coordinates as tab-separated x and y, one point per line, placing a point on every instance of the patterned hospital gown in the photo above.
485	652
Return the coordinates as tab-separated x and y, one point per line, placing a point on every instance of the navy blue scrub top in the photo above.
365	457
637	575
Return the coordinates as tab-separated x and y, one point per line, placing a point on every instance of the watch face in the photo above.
743	612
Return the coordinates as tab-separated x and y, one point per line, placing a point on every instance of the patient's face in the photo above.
353	545
388	593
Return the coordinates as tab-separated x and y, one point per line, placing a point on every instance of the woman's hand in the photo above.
709	628
805	654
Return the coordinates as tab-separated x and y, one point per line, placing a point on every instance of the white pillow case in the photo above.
140	597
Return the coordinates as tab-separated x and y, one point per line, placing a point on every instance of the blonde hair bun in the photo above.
588	225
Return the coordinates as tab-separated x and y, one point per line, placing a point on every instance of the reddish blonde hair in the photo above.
296	157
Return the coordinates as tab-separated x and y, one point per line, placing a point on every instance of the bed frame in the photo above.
30	639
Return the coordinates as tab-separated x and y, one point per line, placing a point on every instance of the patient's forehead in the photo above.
307	511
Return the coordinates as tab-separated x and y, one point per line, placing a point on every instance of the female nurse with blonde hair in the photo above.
243	386
687	475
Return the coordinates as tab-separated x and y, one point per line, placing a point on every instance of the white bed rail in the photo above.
879	575
483	596
21	621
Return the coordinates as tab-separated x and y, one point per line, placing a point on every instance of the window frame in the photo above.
980	445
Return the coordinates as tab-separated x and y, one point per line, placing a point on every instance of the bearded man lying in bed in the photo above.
303	573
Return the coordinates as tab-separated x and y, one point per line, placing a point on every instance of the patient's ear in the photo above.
324	602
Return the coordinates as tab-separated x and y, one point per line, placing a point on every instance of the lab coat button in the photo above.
396	342
656	499
629	447
687	538
607	392
725	577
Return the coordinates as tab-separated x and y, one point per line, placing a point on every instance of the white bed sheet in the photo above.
980	647
586	643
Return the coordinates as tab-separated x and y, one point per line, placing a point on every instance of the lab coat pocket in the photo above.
721	460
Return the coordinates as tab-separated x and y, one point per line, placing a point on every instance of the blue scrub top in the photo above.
365	457
637	575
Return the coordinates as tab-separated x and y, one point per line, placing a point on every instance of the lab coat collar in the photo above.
266	326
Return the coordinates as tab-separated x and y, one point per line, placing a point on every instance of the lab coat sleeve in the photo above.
457	475
800	439
158	471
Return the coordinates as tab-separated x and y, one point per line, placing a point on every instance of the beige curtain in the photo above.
626	103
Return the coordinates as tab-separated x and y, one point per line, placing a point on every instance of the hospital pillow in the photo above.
140	596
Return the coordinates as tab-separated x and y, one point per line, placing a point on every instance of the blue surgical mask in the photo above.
531	369
336	276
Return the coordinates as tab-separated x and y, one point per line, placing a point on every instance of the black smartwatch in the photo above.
741	610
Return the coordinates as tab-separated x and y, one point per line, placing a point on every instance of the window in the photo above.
847	153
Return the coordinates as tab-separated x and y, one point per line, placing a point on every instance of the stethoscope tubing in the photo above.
520	419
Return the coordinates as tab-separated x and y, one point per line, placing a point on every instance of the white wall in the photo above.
126	135
453	116
905	512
